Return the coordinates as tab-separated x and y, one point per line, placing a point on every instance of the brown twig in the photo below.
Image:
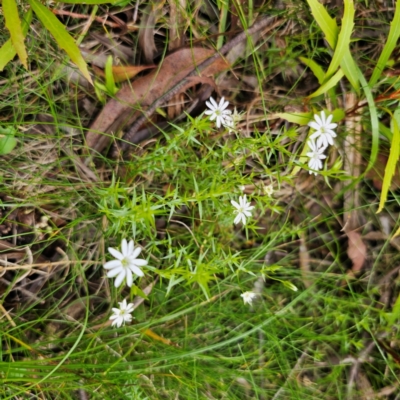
84	16
128	137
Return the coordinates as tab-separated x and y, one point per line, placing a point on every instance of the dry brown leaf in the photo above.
126	107
123	73
357	251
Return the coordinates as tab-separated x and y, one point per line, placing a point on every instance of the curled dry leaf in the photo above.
126	106
357	251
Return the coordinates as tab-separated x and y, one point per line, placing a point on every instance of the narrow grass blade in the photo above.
343	42
60	34
325	21
13	24
392	161
7	51
315	68
393	37
328	85
374	120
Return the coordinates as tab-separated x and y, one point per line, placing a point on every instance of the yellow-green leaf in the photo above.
331	31
296	118
62	37
7	51
392	161
325	21
374	120
343	43
13	24
328	85
315	68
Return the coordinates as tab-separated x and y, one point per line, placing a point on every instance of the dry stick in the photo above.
128	137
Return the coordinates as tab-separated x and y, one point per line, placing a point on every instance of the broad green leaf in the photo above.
328	85
13	24
343	43
296	118
7	140
305	118
350	70
392	161
374	120
325	21
315	68
392	39
331	31
60	34
92	2
7	51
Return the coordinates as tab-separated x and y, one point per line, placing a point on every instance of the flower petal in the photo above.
139	262
112	264
115	271
129	279
236	205
124	247
115	253
136	270
136	252
120	278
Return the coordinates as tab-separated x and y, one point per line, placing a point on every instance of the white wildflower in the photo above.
324	129
219	112
316	155
268	190
243	209
125	264
233	120
248	297
122	314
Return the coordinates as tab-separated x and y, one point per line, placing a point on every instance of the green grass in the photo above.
336	337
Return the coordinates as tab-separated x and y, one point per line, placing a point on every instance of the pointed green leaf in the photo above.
350	70
7	140
325	21
331	31
13	24
343	43
393	37
328	85
374	120
60	34
315	68
296	118
7	51
392	161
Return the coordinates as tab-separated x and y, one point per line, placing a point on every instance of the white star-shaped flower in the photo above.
324	129
316	155
233	120
243	209
248	297
125	264
219	112
122	314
